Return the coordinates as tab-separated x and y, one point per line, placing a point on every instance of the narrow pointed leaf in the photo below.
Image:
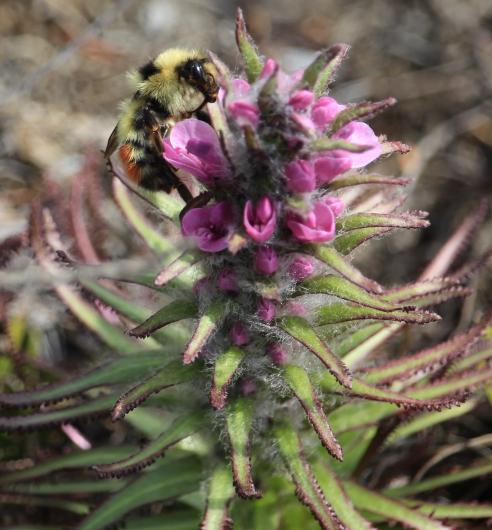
182	520
181	264
252	61
361	111
336	261
181	428
342	288
74	460
451	477
365	499
321	72
300	330
338	312
173	312
226	365
206	326
79	508
334	492
65	487
410	291
358	339
332	144
456	510
121	370
360	179
172	374
473	359
168	481
299	382
220	494
307	488
413	219
346	242
91	409
239	423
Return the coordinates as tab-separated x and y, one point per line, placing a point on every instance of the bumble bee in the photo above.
169	88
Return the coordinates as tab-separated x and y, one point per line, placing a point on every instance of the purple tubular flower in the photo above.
266	309
194	146
318	226
300	176
300	268
239	334
276	353
260	222
227	281
210	226
265	261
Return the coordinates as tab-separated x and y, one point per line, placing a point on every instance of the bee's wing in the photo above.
112	144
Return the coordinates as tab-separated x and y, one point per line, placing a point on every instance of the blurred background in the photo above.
62	75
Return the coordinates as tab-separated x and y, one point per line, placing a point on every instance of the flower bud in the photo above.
260	222
276	353
300	268
239	334
227	281
300	176
265	261
301	99
244	112
266	309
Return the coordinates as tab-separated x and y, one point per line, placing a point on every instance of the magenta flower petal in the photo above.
227	281
244	112
277	353
318	226
326	168
336	204
360	133
266	309
260	222
268	68
324	111
239	334
211	227
301	99
300	176
300	268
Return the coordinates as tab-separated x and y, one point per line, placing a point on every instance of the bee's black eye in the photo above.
193	72
197	70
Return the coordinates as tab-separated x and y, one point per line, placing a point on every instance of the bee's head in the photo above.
200	74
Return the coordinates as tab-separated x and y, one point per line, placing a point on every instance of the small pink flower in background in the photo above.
210	226
227	281
268	68
244	112
300	268
336	204
324	111
266	261
259	222
266	309
194	146
277	353
300	176
239	334
318	226
301	99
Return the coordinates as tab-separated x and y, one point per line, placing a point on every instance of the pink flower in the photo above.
301	99
194	146
227	281
324	111
300	268
244	112
318	226
265	261
300	176
266	309
260	222
268	68
210	226
276	353
239	334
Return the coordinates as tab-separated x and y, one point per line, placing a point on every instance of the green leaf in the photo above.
456	510
173	312
226	365
253	64
181	428
365	499
79	508
168	481
300	330
346	242
413	219
90	317
171	374
361	111
239	422
340	312
177	267
342	288
321	72
64	487
336	261
152	237
91	409
220	494
184	520
357	339
332	144
74	460
361	179
334	492
119	371
206	326
299	382
453	476
307	489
